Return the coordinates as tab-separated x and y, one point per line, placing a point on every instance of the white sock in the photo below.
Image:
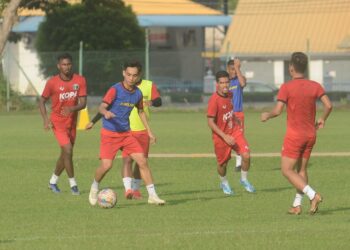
54	179
72	182
127	183
223	180
309	192
136	183
94	185
238	161
151	190
297	200
244	175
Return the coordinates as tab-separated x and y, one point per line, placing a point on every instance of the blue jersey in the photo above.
237	95
121	102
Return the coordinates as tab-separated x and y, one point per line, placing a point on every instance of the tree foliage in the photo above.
100	24
106	26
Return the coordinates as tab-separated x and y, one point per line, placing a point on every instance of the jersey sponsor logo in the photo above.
127	104
75	86
68	95
232	87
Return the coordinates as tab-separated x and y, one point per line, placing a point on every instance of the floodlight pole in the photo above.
81	58
147	53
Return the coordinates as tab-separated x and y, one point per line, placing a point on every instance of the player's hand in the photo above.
47	125
66	110
264	116
89	126
152	138
109	115
236	63
229	140
147	103
320	123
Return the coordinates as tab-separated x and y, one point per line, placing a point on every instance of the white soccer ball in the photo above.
107	198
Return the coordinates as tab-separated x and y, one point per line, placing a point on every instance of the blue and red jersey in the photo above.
121	102
237	94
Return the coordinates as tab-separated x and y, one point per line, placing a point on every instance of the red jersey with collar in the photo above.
300	96
64	94
221	109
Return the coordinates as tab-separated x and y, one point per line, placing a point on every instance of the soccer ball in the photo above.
107	198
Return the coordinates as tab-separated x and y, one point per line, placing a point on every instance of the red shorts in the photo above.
240	116
64	135
298	147
223	150
111	144
143	139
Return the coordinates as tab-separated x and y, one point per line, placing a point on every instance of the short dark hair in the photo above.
220	74
299	62
230	62
64	56
133	64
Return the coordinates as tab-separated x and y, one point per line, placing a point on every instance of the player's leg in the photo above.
136	182
240	116
146	175
223	155
144	141
101	171
244	172
296	206
224	184
109	147
67	158
126	172
241	147
56	174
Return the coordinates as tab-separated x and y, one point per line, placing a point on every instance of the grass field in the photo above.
197	214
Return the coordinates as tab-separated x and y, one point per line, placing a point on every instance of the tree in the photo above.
103	25
9	9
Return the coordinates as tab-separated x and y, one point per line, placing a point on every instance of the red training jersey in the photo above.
221	109
300	96
64	94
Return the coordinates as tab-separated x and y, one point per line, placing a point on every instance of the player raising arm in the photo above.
300	96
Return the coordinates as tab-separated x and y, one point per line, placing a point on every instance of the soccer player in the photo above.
151	97
132	178
116	107
67	92
237	83
227	134
300	96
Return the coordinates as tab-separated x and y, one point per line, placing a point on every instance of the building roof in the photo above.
151	7
265	27
170	7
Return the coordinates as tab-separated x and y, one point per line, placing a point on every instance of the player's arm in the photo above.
327	109
276	111
144	120
96	118
156	100
241	78
103	109
227	138
71	109
43	112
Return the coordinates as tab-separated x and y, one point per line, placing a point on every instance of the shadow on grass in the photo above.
275	189
334	210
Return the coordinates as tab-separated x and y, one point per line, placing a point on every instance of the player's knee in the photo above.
106	166
245	156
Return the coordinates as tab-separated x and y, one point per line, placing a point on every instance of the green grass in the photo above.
197	214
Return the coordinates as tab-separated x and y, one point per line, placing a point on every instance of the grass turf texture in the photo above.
197	215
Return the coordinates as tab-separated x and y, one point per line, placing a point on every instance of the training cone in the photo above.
83	119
